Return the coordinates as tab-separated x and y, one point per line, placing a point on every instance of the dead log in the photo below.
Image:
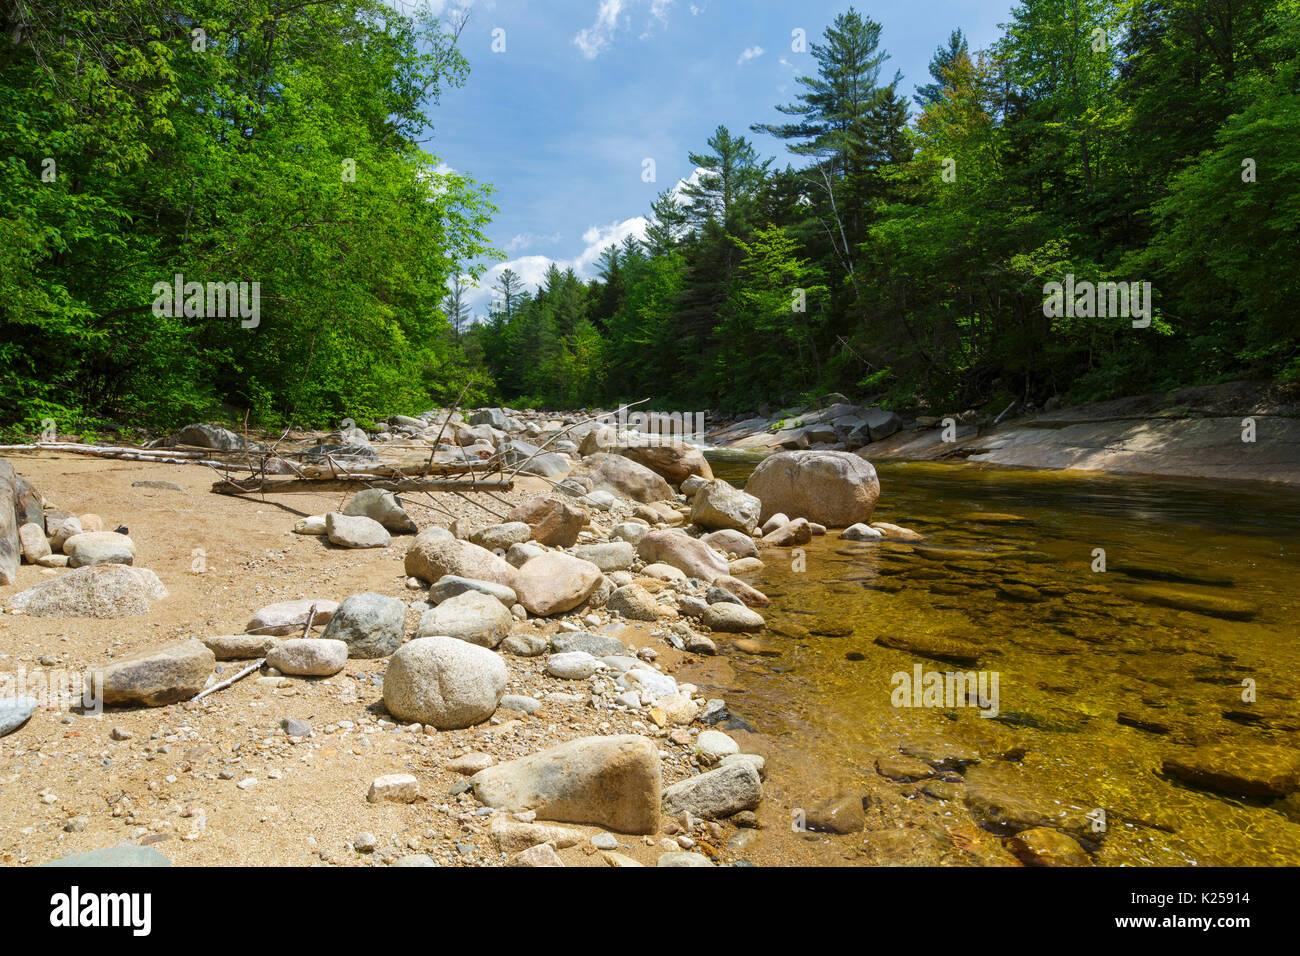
274	486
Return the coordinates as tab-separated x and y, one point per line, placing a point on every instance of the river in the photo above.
1187	637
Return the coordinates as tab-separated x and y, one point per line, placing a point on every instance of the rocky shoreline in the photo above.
1234	432
526	655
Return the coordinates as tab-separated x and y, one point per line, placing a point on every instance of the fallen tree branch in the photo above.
346	482
230	680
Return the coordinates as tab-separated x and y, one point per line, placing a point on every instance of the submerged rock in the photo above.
1238	769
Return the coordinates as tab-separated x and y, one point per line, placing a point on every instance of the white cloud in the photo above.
532	269
594	39
750	53
526	239
613	16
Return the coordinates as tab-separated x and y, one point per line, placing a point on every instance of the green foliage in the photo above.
224	157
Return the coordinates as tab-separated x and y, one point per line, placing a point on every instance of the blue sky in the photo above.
562	120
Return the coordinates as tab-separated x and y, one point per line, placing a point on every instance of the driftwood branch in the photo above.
348	482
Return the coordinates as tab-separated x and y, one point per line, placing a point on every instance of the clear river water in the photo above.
1188	637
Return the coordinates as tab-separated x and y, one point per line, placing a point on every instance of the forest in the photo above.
900	250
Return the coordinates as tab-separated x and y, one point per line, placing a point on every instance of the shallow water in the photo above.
1097	682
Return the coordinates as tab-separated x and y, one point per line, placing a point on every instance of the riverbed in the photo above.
1124	621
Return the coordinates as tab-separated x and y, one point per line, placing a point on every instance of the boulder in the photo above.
797	532
1256	770
355	532
597	645
290	617
673	461
634	603
16	711
553	522
34	544
444	683
612	782
499	537
720	505
382	506
449	585
309	656
608	556
213	436
730	541
102	591
861	532
63	529
470	616
732	618
433	555
572	665
156	677
625	478
371	625
833	488
747	595
554	582
240	647
98	547
679	550
716	794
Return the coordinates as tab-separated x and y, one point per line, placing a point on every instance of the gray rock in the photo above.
520	702
717	595
102	591
372	625
716	794
450	585
721	505
240	647
308	657
597	645
521	554
124	855
157	677
415	859
612	782
634	603
683	859
525	645
98	547
612	556
31	537
381	506
574	665
16	711
471	616
732	618
713	745
296	727
356	532
157	485
499	537
444	683
861	532
213	436
630	531
290	617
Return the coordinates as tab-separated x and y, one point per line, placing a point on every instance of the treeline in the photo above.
267	143
906	250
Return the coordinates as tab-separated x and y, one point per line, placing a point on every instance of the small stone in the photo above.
394	788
